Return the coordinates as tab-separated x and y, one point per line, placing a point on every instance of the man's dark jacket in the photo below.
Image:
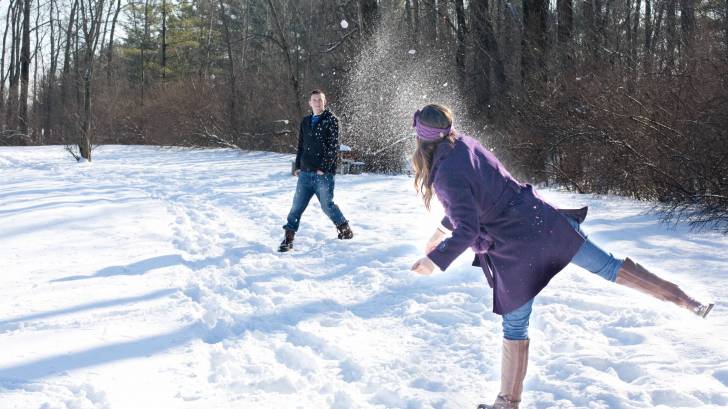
318	146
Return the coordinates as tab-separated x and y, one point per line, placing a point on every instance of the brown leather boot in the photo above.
287	243
513	371
345	232
635	276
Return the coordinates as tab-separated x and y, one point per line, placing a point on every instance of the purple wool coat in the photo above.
520	241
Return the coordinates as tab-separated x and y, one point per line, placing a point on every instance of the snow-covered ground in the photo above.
150	279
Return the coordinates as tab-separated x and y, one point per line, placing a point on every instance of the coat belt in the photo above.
487	267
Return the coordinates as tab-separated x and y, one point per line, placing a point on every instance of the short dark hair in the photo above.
318	92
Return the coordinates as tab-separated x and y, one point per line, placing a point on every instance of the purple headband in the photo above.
427	133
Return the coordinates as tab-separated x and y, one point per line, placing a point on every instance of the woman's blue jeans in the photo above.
309	184
589	257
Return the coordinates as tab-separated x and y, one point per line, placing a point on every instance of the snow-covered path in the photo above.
149	279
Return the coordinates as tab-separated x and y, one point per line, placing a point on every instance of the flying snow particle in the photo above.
412	52
444	85
344	24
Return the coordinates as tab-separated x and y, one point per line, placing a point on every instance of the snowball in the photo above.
344	24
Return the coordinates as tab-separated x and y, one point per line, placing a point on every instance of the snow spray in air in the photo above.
390	79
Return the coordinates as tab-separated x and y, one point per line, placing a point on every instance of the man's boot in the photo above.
513	371
287	243
345	232
635	276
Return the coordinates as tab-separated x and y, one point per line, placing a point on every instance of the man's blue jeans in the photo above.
589	257
309	184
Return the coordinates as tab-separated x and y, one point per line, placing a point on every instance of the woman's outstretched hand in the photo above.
423	266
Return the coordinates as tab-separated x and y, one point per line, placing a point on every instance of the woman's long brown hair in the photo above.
436	116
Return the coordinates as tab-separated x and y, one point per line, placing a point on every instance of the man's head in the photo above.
317	101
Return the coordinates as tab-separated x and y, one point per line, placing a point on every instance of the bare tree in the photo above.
282	41
110	53
14	70
687	24
368	13
565	10
70	40
164	39
671	30
725	26
3	77
487	56
444	30
591	39
534	42
91	16
416	15
460	54
24	70
232	114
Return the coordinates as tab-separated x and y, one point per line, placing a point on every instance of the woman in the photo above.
520	240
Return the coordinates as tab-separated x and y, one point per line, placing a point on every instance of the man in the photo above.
318	147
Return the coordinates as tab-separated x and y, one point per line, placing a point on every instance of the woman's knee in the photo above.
593	258
515	323
515	331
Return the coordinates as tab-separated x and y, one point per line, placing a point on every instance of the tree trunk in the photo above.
143	47
92	17
46	132
67	52
432	23
461	30
648	26
106	26
671	29
110	53
725	26
2	62
37	56
533	47
565	10
205	60
368	13
591	45
635	29
408	17
627	29
487	57
292	74
416	15
164	38
634	41
687	25
656	35
444	33
605	23
232	114
14	74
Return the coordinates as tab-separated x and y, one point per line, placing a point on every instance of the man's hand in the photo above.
297	172
423	266
319	172
432	243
